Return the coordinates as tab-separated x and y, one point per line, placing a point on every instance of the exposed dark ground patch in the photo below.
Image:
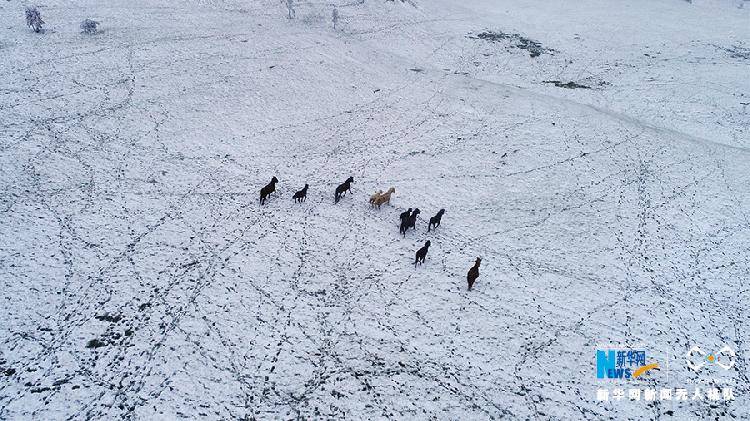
535	48
567	85
106	317
735	51
95	343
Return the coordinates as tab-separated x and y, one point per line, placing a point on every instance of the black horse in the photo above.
409	221
343	188
267	190
301	195
422	253
435	220
404	215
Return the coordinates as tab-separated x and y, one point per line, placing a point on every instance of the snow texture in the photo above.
594	153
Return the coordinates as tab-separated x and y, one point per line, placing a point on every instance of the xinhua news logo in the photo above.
622	364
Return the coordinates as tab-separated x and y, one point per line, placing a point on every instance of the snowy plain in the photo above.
140	278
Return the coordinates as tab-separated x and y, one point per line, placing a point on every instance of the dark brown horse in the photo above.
267	190
473	274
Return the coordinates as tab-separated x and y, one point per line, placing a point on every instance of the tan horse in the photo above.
374	197
384	198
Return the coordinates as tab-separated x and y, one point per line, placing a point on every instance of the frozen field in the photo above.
594	153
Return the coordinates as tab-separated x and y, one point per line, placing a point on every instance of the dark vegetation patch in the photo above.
567	85
535	48
106	317
736	51
95	343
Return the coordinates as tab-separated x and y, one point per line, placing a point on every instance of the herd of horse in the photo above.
408	218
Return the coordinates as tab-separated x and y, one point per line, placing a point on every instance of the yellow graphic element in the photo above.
644	369
711	358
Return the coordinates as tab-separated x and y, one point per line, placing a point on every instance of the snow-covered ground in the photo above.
140	278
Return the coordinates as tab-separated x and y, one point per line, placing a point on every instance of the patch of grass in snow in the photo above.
567	85
535	48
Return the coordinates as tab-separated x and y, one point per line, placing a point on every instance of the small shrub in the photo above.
89	27
34	19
